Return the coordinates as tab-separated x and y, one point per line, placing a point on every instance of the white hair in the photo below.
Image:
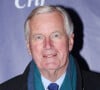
68	24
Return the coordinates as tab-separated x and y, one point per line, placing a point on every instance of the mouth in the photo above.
49	55
50	60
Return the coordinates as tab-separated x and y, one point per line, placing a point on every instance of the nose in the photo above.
48	43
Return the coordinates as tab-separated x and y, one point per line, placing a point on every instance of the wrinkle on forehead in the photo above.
46	18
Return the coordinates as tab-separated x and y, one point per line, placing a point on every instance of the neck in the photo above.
53	75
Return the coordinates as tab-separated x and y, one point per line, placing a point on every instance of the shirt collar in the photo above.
46	82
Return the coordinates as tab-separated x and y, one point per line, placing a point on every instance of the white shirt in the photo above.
46	82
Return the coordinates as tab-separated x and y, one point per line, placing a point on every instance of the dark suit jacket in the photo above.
85	81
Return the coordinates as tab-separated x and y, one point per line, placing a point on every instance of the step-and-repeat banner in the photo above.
13	52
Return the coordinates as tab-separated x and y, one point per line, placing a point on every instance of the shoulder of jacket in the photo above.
91	80
11	83
17	82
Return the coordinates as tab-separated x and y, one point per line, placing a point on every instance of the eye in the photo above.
56	35
38	37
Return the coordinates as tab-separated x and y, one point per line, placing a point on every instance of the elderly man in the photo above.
49	37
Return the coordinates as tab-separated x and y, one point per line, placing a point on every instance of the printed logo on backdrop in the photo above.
19	5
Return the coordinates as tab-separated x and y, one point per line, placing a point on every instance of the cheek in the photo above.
35	49
63	51
62	46
36	52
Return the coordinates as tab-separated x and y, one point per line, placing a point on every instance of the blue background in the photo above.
13	52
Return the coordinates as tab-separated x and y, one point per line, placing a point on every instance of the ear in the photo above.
71	41
28	48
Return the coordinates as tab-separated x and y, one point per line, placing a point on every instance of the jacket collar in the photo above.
79	78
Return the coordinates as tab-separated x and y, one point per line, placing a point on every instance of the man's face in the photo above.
49	44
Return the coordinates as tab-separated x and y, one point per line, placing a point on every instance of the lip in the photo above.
49	55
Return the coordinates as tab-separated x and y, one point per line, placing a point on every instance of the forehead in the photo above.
53	14
50	20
